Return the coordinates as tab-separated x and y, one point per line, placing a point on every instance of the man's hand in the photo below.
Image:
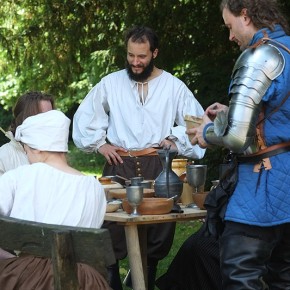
198	133
165	143
110	153
208	117
213	109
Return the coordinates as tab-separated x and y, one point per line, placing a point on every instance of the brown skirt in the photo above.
31	273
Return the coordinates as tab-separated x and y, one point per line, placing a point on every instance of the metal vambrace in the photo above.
252	75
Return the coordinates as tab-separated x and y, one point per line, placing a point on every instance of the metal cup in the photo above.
196	175
136	180
135	197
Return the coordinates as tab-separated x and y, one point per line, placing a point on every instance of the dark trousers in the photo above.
255	257
196	266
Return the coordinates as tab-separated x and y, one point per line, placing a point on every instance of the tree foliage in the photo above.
65	46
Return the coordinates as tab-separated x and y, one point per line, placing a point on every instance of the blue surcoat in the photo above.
263	198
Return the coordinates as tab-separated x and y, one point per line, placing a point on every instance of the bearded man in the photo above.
125	117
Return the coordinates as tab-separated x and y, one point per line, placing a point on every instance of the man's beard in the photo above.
144	75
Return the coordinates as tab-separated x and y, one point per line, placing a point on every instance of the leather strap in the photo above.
265	153
152	151
266	163
267	38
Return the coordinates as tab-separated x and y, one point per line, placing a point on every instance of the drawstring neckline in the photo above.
141	94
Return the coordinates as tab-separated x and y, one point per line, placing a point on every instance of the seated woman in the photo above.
48	191
31	103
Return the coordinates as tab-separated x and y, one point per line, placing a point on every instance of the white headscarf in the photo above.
45	131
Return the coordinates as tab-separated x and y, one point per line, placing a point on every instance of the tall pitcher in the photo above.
168	184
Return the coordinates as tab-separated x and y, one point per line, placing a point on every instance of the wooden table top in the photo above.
122	217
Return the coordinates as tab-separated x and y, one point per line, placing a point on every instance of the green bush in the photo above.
88	163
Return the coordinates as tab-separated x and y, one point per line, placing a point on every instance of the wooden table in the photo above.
136	237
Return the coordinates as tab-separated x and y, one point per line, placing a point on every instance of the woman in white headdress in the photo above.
48	190
12	153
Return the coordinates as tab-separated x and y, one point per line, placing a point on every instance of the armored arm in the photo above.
252	75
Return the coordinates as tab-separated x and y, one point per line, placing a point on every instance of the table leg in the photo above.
142	232
135	260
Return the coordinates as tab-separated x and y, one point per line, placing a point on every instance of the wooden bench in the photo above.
65	245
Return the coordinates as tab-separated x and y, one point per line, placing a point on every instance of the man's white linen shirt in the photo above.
12	155
41	193
113	110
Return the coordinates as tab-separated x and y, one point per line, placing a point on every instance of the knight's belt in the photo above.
265	153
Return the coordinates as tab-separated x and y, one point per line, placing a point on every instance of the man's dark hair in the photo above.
141	34
263	13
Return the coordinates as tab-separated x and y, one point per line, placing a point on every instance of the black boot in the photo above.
243	262
151	276
114	277
279	267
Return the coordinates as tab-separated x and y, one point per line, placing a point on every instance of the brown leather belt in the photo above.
265	153
152	151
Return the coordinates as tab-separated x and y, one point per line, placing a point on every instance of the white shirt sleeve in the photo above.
90	121
7	190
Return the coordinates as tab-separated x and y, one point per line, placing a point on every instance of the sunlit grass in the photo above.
87	163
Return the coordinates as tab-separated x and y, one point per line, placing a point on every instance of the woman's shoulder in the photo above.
12	156
5	148
12	146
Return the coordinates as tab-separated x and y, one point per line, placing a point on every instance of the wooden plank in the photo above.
64	266
91	246
124	218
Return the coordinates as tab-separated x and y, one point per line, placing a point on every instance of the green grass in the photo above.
88	163
92	164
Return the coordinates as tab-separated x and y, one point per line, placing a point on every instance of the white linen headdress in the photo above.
45	131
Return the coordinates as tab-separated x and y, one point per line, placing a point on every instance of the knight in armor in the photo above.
255	242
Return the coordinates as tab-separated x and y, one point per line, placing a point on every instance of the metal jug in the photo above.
168	184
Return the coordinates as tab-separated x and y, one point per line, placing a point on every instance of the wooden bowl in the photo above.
199	198
113	205
120	193
151	205
105	180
